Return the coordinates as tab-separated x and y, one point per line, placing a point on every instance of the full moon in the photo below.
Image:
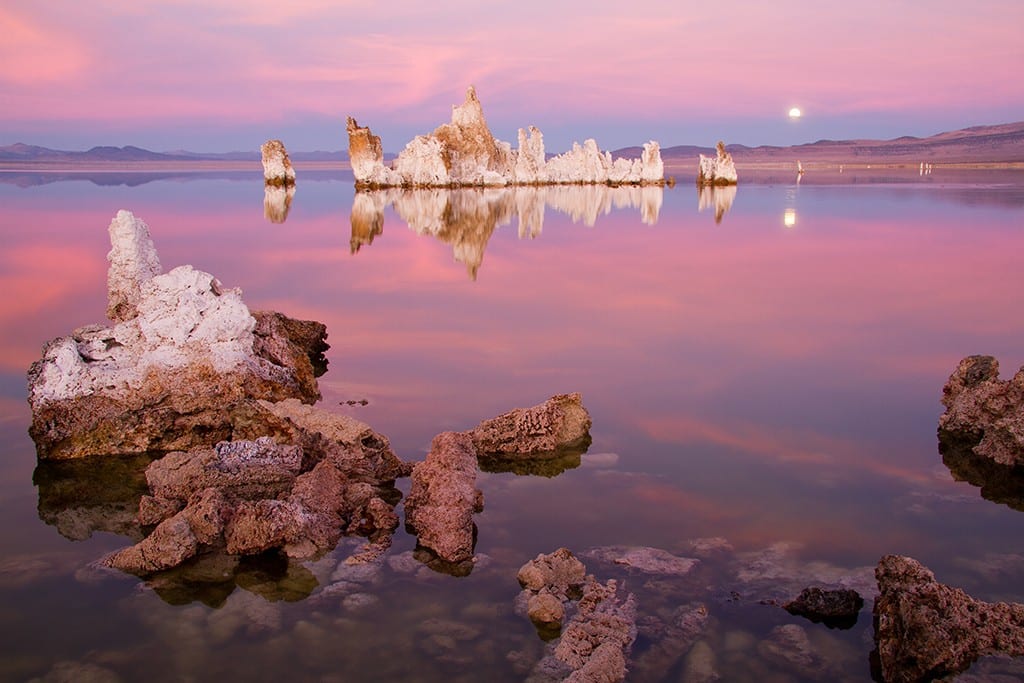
795	113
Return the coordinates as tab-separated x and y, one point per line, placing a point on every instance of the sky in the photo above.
225	75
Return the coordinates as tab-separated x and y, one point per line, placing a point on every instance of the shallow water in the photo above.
771	378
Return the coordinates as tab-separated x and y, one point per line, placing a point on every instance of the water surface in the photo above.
763	367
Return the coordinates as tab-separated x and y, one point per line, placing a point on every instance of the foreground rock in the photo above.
444	497
596	642
333	477
544	431
181	354
719	170
926	630
277	167
464	152
984	414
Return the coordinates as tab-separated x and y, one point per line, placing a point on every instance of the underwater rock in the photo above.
444	497
926	630
277	167
182	352
719	170
643	559
984	414
464	152
547	430
834	608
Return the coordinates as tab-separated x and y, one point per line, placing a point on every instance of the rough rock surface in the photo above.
181	353
277	167
926	630
545	430
834	608
247	497
595	644
464	152
719	170
444	497
984	414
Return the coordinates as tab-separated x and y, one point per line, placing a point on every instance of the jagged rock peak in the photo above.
133	261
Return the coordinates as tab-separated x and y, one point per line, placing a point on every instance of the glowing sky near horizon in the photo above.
218	75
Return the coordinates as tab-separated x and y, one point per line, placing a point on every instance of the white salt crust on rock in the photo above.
464	152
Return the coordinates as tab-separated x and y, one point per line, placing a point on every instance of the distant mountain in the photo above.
32	153
979	144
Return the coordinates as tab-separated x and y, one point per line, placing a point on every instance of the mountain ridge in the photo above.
996	143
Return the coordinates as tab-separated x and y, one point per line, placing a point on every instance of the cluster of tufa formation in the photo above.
181	352
984	414
277	167
464	152
719	170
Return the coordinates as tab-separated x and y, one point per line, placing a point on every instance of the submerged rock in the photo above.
464	152
182	352
926	630
277	167
984	414
719	170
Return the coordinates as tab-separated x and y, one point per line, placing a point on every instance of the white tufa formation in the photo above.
277	167
464	152
719	170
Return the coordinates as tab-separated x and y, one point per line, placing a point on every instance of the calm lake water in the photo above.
771	378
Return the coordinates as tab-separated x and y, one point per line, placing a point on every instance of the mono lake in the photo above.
764	386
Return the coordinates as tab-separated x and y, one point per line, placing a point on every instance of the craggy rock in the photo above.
596	642
464	152
719	170
183	352
558	573
926	630
548	430
277	167
984	415
248	497
444	497
834	608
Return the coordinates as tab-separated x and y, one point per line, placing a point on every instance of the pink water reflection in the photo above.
810	357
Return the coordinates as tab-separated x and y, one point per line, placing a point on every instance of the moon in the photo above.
795	113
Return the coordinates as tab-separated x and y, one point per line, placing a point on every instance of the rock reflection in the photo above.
466	218
720	198
79	497
544	465
1003	484
277	201
211	578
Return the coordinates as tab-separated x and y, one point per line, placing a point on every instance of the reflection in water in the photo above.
720	197
789	218
466	218
81	496
277	201
549	464
998	483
